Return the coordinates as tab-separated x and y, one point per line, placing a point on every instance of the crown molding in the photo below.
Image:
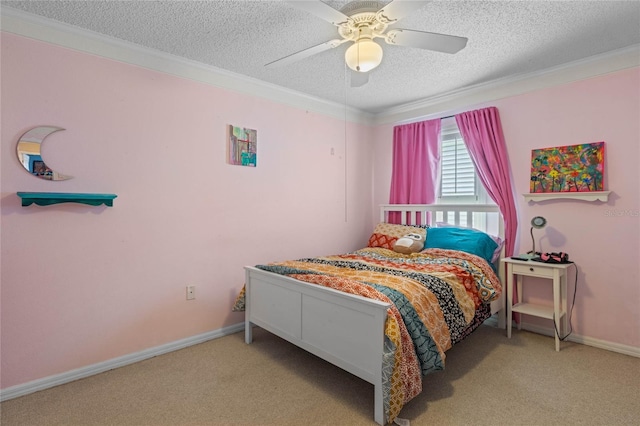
459	100
50	31
38	28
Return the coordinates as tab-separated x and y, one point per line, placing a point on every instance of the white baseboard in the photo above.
576	338
90	370
589	341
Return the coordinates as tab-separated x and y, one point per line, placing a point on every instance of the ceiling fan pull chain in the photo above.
359	35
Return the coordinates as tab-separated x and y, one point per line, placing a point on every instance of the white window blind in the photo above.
459	183
457	174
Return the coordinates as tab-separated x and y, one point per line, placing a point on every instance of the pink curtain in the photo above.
482	134
416	155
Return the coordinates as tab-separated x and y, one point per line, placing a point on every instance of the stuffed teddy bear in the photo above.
410	243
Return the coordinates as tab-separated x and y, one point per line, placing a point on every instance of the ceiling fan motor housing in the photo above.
361	6
363	21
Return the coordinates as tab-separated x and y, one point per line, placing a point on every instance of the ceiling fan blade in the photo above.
321	10
424	40
398	9
359	79
295	57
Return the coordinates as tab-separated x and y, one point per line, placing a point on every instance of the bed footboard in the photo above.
343	329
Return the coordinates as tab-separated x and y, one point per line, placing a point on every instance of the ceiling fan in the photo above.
361	22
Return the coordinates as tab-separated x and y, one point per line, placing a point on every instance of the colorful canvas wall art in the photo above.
242	146
573	168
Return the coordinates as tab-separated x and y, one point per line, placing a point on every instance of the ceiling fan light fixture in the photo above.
363	55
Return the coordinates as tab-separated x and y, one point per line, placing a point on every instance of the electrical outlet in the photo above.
191	292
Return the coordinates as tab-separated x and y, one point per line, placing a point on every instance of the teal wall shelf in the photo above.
48	198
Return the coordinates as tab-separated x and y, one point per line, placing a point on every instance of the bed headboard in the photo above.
485	217
479	216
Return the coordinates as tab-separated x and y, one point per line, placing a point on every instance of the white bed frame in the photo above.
344	329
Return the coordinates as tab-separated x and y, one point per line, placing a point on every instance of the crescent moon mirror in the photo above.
30	156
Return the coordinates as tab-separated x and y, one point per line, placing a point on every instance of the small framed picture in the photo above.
242	146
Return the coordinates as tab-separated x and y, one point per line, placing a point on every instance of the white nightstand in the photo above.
557	272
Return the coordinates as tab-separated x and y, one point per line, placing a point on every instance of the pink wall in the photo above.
85	284
602	238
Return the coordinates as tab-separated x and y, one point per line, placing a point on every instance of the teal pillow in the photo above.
462	239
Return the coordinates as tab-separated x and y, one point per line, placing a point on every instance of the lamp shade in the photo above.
363	55
538	222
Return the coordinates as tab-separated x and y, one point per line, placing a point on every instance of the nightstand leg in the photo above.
509	297
519	280
565	318
557	319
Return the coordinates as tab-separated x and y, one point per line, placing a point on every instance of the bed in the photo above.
333	307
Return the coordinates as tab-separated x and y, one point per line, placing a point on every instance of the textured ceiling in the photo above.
506	38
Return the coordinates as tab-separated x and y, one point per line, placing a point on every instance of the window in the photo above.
458	180
457	174
459	183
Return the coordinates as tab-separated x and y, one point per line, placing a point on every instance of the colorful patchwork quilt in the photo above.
438	297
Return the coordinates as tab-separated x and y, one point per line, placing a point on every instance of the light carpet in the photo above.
488	380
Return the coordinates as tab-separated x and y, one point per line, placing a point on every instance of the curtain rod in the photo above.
448	116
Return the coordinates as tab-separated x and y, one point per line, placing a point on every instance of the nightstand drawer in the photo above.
533	270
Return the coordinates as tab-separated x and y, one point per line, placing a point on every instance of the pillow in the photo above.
410	243
499	241
462	239
496	253
385	235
